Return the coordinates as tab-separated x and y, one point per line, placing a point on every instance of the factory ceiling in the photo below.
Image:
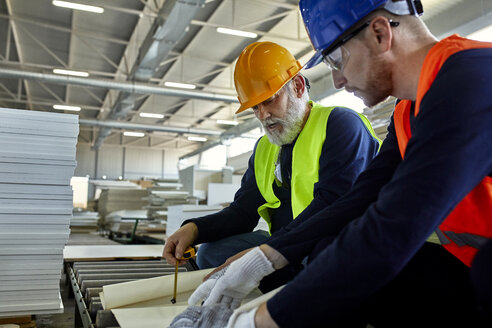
129	52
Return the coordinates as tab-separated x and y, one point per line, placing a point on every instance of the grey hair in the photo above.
305	94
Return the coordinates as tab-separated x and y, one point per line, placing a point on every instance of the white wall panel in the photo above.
127	162
110	162
171	158
143	163
86	160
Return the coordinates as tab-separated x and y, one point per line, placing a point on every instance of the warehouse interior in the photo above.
152	85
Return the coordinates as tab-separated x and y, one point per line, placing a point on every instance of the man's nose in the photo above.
262	112
339	79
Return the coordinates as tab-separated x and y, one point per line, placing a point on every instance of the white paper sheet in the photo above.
147	302
90	252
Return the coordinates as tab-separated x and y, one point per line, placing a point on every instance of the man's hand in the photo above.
243	319
202	317
263	319
277	259
202	292
178	242
257	317
239	279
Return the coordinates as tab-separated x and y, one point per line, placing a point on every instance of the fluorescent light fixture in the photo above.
179	85
70	72
78	6
227	122
133	134
202	139
65	107
151	115
230	31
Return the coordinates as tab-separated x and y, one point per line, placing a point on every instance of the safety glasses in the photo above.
336	58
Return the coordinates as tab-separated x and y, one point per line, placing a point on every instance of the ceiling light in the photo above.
227	122
202	139
133	134
151	115
245	34
70	72
179	85
65	107
78	6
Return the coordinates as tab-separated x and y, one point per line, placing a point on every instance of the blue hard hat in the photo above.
327	21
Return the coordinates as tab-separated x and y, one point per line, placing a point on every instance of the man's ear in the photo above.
381	34
299	84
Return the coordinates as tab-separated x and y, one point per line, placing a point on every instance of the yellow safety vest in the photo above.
305	163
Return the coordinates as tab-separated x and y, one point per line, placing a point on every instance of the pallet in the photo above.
21	322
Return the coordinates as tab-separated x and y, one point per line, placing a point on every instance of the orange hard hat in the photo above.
262	69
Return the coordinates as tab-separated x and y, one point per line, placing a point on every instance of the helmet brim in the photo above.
242	109
315	60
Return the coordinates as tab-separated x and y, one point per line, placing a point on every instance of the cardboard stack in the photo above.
37	160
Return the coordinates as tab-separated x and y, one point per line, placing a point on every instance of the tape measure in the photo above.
188	254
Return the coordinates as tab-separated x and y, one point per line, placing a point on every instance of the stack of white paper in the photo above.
112	200
177	214
37	160
85	221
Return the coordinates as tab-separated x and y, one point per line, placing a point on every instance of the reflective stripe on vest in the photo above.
469	225
305	163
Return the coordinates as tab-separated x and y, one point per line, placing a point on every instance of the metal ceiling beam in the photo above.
15	33
260	33
70	53
147	127
42	45
169	27
278	4
7	41
25	65
130	87
42	102
51	26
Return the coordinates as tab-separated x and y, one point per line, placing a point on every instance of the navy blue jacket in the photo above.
348	149
363	240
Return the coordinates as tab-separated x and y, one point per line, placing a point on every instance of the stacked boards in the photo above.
37	160
112	200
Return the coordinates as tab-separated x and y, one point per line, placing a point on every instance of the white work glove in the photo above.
240	278
202	317
202	292
243	319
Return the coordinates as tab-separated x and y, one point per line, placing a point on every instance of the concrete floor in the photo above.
61	320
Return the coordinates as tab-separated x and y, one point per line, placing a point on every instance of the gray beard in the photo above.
291	123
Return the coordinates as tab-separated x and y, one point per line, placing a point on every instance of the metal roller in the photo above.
88	278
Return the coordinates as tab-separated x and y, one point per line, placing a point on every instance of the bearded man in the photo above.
309	157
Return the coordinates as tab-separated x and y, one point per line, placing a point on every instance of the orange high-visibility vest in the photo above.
469	225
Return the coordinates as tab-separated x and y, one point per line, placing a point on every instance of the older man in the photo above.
308	158
370	259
